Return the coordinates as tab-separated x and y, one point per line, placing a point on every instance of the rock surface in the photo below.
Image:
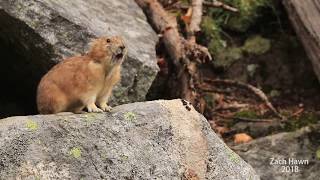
43	32
304	18
270	155
150	140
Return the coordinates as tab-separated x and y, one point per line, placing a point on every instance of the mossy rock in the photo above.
226	57
257	45
249	11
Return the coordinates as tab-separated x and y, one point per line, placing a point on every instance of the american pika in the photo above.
83	81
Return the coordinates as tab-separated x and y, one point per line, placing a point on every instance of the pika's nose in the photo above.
122	47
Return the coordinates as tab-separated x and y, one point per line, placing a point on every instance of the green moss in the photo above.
257	45
212	32
274	93
32	125
225	58
233	156
124	157
247	114
90	118
295	123
210	100
251	68
130	116
318	154
249	11
75	152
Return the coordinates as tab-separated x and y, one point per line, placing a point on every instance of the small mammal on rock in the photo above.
83	81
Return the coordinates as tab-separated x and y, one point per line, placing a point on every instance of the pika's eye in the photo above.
108	40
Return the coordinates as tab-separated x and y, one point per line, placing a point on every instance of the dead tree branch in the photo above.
195	19
260	94
184	54
219	4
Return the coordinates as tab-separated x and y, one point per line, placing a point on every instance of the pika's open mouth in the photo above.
119	56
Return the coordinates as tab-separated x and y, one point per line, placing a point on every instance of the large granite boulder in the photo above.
292	155
147	140
41	32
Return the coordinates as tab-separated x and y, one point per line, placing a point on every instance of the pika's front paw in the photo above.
105	107
93	108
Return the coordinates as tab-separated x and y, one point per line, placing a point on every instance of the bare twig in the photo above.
230	107
251	88
252	120
219	4
244	119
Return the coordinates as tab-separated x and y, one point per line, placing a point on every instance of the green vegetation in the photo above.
130	116
247	114
90	118
249	12
318	154
32	125
226	57
220	44
257	45
75	152
212	31
124	157
305	119
233	156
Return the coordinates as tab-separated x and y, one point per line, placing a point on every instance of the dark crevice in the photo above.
23	63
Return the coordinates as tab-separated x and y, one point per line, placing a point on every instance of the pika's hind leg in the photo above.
50	99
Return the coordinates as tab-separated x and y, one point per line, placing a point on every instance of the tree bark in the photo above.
184	54
195	18
305	17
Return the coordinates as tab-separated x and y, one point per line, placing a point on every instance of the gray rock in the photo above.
304	18
150	140
274	157
45	31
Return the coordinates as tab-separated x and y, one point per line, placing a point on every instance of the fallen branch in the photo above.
252	120
214	4
250	88
218	4
226	119
184	54
230	107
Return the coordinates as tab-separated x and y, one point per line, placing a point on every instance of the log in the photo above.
305	17
185	55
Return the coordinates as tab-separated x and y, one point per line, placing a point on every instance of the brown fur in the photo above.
83	81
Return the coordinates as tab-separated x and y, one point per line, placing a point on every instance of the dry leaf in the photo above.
242	138
187	17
